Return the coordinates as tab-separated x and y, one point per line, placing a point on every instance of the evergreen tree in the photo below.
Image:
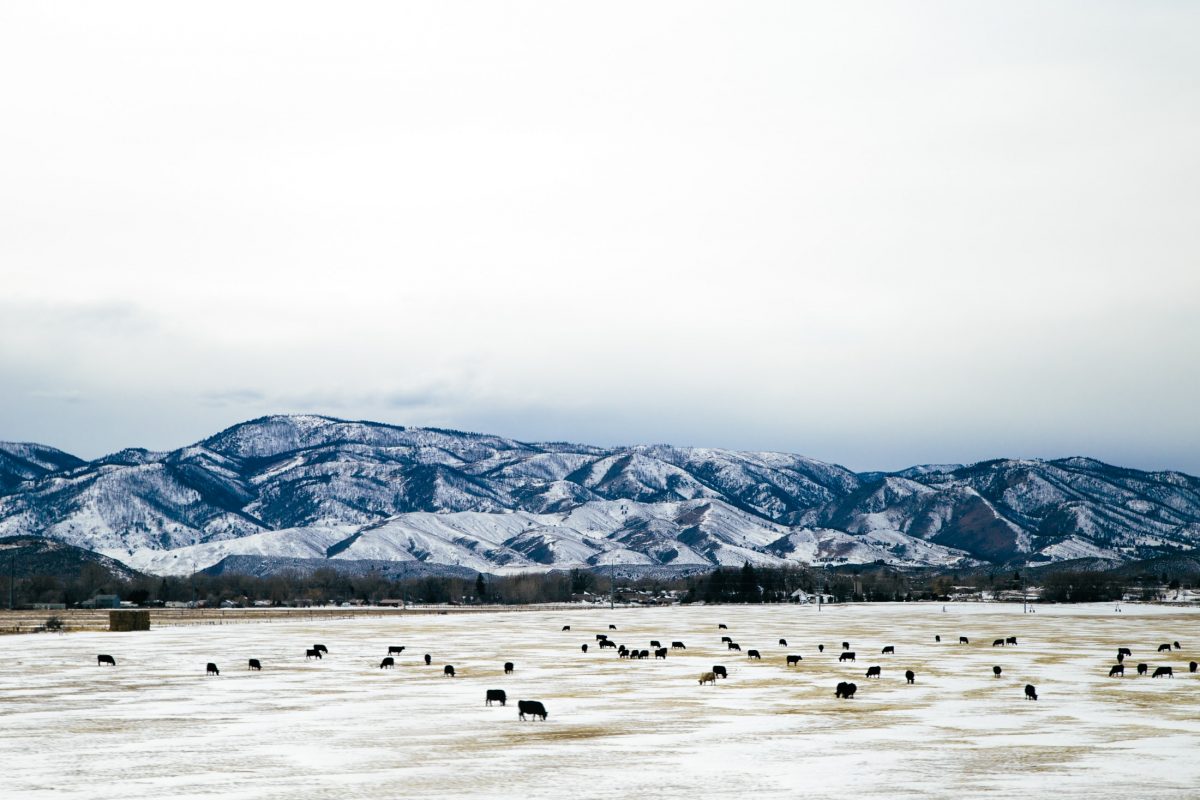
480	588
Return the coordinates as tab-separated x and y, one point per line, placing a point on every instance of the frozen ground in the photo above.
156	727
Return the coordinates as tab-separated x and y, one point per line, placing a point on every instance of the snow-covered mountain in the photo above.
306	487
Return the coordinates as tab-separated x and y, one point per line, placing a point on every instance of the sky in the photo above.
879	234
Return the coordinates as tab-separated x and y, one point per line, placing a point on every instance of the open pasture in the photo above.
156	726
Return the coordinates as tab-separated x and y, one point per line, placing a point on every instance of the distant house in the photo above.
391	601
102	601
804	598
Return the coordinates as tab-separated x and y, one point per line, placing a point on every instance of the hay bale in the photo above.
129	620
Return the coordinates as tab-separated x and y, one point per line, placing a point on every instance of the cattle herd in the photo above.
844	689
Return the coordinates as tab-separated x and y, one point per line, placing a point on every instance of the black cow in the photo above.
608	643
1161	671
623	653
910	676
678	646
1117	671
448	671
312	654
643	654
735	646
846	656
600	637
428	659
998	643
721	626
719	671
622	649
1142	669
1120	658
845	645
1192	666
1030	692
753	654
612	627
655	643
937	638
845	690
101	660
566	627
585	647
660	652
783	642
508	667
534	708
996	671
793	660
1177	647
321	648
395	650
1124	651
874	672
1011	640
726	639
387	663
1163	647
889	649
211	669
255	664
963	640
495	694
820	648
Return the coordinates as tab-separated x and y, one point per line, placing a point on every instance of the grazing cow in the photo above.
721	626
998	643
387	663
312	654
585	647
508	667
1192	666
719	671
1142	669
1120	658
497	695
533	708
1117	671
726	639
608	643
101	660
1163	647
937	638
845	690
735	646
753	654
846	656
678	646
623	653
1177	647
793	660
708	677
255	664
889	649
783	642
395	651
1011	640
820	648
874	672
660	652
996	671
612	627
566	627
655	643
621	648
322	648
428	659
600	637
910	676
1161	671
963	640
211	669
1124	651
448	671
1030	692
845	645
643	654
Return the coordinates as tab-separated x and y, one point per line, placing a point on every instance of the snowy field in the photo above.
156	727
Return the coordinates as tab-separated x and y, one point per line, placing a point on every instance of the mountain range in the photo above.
317	488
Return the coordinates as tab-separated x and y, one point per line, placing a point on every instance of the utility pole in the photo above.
12	577
612	582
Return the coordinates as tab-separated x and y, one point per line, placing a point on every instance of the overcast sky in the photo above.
876	234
